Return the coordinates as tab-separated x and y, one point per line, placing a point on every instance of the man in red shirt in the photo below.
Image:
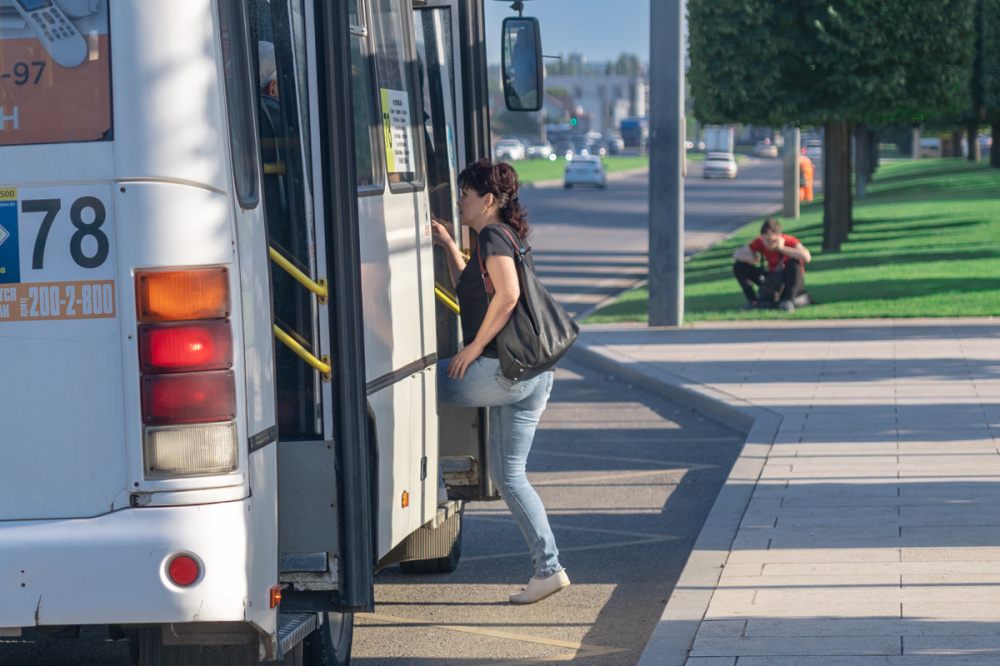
784	277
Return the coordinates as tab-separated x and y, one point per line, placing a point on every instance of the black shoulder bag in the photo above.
539	331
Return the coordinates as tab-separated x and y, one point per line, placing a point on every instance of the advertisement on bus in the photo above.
55	74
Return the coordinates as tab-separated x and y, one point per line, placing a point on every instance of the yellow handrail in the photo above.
447	299
274	168
318	287
321	364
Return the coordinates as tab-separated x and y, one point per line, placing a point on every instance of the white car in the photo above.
763	149
585	170
509	149
539	150
719	165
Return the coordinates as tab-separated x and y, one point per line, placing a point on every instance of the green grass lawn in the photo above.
532	171
925	243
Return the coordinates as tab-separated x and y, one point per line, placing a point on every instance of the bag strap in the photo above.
482	267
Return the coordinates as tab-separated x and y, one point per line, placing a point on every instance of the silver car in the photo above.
585	170
719	165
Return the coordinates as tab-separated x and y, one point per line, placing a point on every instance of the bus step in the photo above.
293	629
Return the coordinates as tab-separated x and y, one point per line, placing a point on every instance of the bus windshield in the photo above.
55	73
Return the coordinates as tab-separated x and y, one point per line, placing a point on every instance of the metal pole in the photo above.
791	171
666	163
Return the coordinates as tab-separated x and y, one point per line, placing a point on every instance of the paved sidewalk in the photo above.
860	524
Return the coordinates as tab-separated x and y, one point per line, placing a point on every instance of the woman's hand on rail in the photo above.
440	234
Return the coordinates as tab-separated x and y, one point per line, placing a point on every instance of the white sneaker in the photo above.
539	588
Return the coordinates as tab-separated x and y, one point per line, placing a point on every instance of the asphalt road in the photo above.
590	244
628	478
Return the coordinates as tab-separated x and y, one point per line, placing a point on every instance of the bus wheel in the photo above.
445	564
330	645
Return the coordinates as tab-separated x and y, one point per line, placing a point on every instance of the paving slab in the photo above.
861	528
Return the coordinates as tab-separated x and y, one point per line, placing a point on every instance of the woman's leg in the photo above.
512	431
514	411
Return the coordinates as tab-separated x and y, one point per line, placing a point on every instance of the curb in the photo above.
674	635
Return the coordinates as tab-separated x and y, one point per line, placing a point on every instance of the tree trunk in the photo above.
836	184
873	155
972	132
956	144
861	158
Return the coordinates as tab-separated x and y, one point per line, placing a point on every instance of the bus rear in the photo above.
134	326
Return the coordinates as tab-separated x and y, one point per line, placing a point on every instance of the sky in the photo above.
599	29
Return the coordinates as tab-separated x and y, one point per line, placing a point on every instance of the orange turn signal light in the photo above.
275	596
406	499
201	293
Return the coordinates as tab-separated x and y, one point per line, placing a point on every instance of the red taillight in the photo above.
192	397
188	386
187	347
184	570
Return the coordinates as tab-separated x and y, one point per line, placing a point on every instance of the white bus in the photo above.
218	324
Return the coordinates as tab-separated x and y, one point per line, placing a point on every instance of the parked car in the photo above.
719	165
598	147
509	149
765	149
539	150
585	170
563	149
581	147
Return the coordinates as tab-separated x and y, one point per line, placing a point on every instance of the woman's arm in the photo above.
456	260
507	290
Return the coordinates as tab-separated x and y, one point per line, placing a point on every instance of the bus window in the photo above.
367	127
240	97
436	64
54	89
395	59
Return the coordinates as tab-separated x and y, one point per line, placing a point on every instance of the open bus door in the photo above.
450	50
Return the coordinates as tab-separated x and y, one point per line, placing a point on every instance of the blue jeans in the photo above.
515	409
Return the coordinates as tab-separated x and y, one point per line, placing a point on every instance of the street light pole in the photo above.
666	163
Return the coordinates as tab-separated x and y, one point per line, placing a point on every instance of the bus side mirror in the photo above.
522	64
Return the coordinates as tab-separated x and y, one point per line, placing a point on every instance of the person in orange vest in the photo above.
806	171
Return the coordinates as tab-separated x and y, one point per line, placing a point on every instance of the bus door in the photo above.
462	431
393	236
308	358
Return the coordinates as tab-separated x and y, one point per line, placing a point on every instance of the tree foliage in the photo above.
986	90
817	61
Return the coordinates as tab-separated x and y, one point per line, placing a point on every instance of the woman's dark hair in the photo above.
500	180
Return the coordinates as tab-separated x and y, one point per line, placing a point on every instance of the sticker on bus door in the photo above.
56	254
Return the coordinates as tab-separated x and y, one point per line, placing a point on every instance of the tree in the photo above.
989	63
831	63
628	64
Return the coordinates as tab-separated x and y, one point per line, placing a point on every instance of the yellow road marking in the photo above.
582	649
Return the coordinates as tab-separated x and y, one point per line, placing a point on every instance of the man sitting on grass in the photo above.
784	280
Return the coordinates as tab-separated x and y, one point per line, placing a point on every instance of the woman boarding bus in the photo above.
206	294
